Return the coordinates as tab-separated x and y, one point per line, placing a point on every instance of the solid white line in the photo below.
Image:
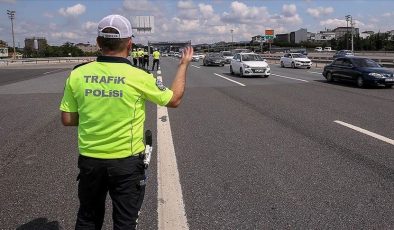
292	78
314	72
228	79
171	208
369	133
196	66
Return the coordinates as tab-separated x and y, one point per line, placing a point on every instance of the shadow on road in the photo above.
350	84
40	224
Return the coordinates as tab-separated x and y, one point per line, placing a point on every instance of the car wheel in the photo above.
241	72
265	76
293	65
308	67
204	64
329	77
388	86
231	70
282	64
360	82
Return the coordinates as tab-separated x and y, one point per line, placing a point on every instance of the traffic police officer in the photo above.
140	54
106	100
135	57
156	59
146	59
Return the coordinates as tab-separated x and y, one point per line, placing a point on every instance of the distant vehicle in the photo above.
237	51
295	60
201	55
227	55
303	51
195	58
363	71
177	54
3	52
213	59
164	54
327	49
318	49
249	64
171	53
343	53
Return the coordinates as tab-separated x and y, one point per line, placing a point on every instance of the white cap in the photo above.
117	22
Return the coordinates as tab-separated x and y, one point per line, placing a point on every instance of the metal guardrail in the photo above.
45	60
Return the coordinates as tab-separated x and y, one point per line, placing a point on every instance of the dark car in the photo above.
343	53
363	71
214	59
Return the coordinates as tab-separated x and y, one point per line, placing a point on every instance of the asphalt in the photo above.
266	155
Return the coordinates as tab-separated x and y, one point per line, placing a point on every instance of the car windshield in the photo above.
361	62
298	56
227	54
252	57
215	55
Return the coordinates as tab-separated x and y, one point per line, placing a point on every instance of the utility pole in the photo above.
11	15
232	38
348	18
351	23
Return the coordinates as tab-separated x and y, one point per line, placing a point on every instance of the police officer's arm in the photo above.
178	85
69	107
70	119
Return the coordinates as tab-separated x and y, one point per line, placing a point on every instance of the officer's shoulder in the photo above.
82	64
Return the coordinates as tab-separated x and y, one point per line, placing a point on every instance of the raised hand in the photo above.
187	55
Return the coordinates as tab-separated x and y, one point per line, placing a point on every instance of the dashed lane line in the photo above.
196	66
292	78
314	72
228	79
366	132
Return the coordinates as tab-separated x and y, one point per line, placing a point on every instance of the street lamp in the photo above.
232	37
11	16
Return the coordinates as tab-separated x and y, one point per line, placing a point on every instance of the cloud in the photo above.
65	35
243	14
388	14
319	11
139	5
188	4
335	22
289	10
206	10
89	26
75	10
48	15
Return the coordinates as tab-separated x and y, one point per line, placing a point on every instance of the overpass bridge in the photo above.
169	45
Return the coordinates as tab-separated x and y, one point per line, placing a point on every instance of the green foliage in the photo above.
66	50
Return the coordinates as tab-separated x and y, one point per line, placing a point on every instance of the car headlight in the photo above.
377	75
246	66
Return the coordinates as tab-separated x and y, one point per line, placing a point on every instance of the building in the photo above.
36	43
282	37
87	48
391	34
299	36
341	31
310	36
327	35
366	34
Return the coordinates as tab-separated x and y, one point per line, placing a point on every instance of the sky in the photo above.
201	21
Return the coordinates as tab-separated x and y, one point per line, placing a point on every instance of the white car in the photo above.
319	49
164	55
249	64
196	58
227	55
295	60
201	56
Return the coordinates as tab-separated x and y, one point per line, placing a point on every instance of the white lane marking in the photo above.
292	78
228	79
50	71
369	133
196	66
171	208
315	72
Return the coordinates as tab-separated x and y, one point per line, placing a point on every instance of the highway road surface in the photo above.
286	152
